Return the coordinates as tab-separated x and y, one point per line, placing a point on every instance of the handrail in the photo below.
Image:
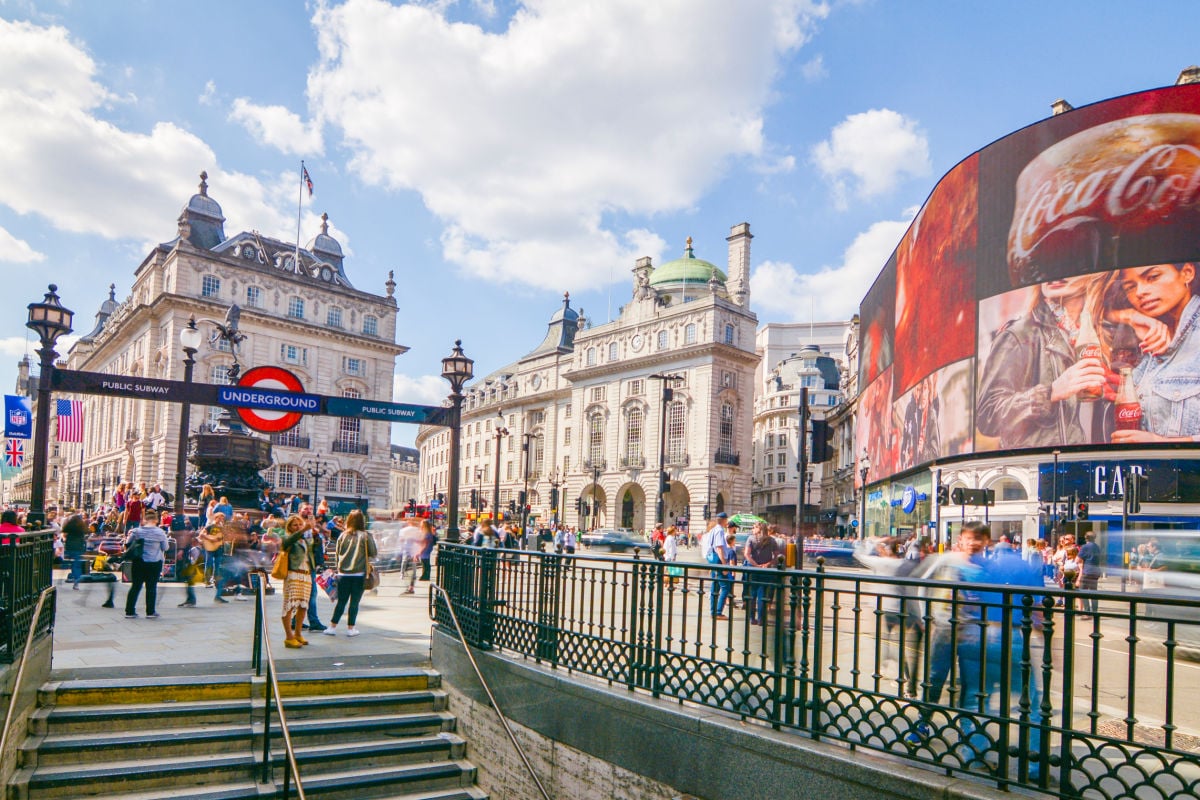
491	698
262	641
12	698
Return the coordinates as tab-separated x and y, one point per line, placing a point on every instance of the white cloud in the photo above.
13	347
522	141
421	390
17	251
86	175
209	96
781	292
814	69
277	127
866	154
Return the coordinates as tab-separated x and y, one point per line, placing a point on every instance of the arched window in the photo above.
662	340
689	334
591	356
595	438
289	476
634	423
350	482
612	351
1008	488
676	432
349	430
539	453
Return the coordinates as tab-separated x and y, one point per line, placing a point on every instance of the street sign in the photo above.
80	382
389	412
270	399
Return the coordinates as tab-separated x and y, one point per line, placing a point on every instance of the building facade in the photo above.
299	311
791	357
582	421
403	477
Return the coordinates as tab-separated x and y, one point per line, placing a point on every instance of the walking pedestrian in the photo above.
355	549
74	544
147	568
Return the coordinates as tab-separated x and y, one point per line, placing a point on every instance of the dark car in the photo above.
611	541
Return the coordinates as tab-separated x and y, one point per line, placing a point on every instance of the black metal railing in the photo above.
727	457
290	439
997	682
633	462
26	569
349	446
261	656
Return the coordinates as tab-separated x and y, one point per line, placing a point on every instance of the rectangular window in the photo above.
783	440
292	354
689	334
354	366
210	286
296	308
567	413
253	297
371	325
598	394
781	477
333	317
770	460
635	388
566	435
728	334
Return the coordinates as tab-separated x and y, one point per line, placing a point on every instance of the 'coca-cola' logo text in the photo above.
1090	178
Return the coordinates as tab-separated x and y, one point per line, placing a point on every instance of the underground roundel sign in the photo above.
276	380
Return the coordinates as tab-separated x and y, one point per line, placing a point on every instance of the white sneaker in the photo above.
330	631
353	632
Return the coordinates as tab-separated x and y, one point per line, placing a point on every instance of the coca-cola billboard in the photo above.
1047	274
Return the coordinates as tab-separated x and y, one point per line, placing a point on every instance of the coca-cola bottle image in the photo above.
1087	345
1129	410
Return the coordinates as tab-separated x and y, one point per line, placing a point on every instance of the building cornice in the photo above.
654	361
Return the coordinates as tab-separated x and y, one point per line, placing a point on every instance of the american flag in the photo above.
307	180
70	420
14	453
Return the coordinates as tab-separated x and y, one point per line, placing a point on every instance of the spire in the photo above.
687	253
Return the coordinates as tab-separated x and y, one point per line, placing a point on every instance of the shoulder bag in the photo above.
279	569
135	549
371	577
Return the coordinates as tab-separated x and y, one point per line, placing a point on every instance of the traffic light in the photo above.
822	450
578	505
512	506
521	498
1081	511
664	482
412	506
958	496
943	495
704	512
554	498
441	498
475	499
1133	491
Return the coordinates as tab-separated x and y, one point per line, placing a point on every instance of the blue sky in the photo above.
496	154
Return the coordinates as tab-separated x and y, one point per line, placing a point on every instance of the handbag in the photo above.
279	569
135	549
370	577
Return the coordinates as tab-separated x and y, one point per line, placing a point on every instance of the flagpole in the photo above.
79	500
299	210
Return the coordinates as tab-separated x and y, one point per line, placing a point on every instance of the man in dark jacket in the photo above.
75	530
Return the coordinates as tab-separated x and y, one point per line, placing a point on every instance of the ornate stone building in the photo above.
299	311
583	412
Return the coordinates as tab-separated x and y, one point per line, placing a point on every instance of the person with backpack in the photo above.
354	551
145	547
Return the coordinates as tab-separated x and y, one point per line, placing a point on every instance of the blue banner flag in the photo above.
18	417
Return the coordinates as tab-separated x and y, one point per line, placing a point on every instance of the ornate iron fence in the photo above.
26	568
998	682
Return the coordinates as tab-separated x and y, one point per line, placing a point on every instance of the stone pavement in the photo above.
212	638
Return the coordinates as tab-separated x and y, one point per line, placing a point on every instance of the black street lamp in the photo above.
189	337
663	483
501	432
555	484
864	468
49	320
526	438
457	369
595	508
318	469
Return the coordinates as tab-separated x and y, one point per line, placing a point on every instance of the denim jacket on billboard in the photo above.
1168	386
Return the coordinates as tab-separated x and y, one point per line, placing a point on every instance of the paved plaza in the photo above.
213	638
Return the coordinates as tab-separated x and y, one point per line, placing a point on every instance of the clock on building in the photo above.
636	341
536	381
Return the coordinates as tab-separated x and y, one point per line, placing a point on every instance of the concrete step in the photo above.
440	779
70	719
248	790
342	706
317	759
99	747
352	729
125	777
358	681
97	692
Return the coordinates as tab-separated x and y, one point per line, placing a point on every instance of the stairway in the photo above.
379	733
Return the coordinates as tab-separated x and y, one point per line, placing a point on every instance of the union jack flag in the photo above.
307	180
14	454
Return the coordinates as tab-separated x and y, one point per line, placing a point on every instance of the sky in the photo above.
496	154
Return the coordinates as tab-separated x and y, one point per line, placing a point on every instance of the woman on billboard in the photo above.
1045	366
1166	381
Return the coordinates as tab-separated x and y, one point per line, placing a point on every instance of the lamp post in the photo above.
501	432
555	483
318	469
526	438
49	320
189	337
596	466
667	393
864	468
457	369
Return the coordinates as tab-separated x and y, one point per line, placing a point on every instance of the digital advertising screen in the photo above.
1046	294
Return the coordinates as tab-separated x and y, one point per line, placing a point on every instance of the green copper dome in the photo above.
688	269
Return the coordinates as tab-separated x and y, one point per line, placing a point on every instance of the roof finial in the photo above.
203	183
112	291
391	283
688	253
325	223
566	298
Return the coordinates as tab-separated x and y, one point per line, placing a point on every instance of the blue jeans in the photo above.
980	662
76	559
721	586
313	620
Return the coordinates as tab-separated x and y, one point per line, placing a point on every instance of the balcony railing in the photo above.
633	462
351	447
726	457
290	440
677	460
598	465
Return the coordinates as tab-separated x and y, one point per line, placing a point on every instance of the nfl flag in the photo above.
18	417
70	420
